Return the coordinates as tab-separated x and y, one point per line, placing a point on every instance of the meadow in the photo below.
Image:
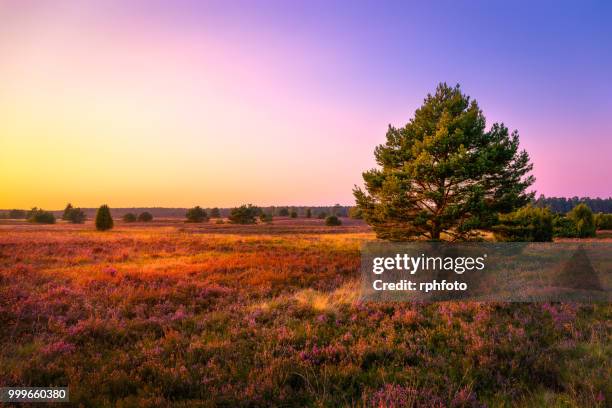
175	314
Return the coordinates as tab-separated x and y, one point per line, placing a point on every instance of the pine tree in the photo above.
66	214
443	175
104	220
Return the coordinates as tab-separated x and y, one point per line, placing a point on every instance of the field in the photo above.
169	313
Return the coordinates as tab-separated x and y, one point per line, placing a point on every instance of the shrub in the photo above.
564	227
220	221
582	216
215	213
263	217
76	216
603	221
245	214
322	215
129	217
283	212
308	213
104	220
332	220
196	214
66	214
40	216
525	225
17	214
145	216
293	214
355	213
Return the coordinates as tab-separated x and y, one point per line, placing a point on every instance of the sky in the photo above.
182	103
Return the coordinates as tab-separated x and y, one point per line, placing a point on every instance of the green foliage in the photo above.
322	215
67	210
215	213
245	214
564	227
308	213
196	214
293	214
603	221
283	212
583	219
129	217
355	213
265	217
444	173
76	216
17	214
525	225
40	216
145	216
104	220
332	220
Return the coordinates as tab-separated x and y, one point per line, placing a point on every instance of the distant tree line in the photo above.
564	205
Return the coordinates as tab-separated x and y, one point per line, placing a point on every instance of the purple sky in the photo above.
218	103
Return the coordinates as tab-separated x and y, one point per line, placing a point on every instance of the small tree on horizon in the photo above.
293	214
104	220
129	217
40	216
308	213
443	173
66	214
215	213
196	214
332	221
145	216
245	214
76	216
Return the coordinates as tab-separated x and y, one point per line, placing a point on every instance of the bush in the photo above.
215	213
293	214
220	221
564	227
145	216
129	217
263	217
322	215
582	216
527	224
603	221
104	220
283	212
308	213
196	214
40	216
245	214
66	214
76	216
355	213
332	220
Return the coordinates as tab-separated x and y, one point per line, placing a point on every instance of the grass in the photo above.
222	315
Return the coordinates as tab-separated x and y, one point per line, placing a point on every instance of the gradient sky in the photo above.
136	103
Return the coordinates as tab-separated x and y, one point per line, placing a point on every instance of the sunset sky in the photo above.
149	103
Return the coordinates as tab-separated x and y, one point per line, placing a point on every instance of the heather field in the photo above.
175	314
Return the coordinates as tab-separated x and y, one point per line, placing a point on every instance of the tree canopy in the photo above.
104	220
443	175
